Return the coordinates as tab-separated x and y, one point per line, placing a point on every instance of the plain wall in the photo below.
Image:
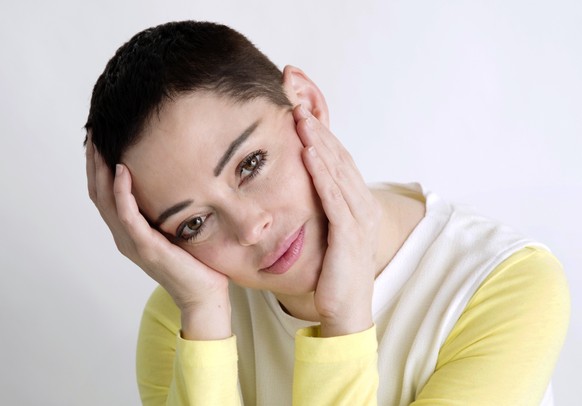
480	101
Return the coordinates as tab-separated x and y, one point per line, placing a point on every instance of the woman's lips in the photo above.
286	254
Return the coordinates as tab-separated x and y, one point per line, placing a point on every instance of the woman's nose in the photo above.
252	225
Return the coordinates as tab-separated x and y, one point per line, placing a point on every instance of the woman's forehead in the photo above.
191	141
207	119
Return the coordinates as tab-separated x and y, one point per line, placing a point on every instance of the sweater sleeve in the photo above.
504	347
335	370
174	371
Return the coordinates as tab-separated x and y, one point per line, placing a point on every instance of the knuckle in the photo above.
100	198
335	194
117	189
370	224
344	156
303	126
121	246
373	215
92	194
124	245
103	213
339	173
375	210
125	220
314	124
320	169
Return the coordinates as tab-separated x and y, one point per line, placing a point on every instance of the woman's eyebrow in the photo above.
233	147
169	212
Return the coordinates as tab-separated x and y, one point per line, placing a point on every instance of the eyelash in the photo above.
248	160
195	233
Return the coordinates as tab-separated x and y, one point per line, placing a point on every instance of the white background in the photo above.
481	101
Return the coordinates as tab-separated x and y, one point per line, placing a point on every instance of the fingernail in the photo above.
118	169
311	150
304	111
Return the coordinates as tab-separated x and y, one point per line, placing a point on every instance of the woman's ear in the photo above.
302	90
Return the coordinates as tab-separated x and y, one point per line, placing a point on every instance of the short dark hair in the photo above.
164	62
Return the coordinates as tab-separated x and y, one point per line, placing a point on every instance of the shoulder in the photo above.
525	301
531	277
509	336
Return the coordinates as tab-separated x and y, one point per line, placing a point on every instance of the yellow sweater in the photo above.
501	351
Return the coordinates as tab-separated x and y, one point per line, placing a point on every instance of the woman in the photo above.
283	276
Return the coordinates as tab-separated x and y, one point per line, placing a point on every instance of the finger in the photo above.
337	160
150	246
128	212
99	183
103	179
105	200
313	132
304	120
90	167
332	198
343	171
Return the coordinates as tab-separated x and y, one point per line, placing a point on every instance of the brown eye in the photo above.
250	166
191	228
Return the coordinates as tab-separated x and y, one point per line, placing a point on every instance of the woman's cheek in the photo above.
211	255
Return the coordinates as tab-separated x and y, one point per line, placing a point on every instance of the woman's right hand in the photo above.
200	292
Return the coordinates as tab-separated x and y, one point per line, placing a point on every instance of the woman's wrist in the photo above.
342	327
207	321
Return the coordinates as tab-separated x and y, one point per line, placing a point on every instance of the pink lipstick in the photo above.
286	254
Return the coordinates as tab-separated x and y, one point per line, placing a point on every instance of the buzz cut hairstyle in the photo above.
161	63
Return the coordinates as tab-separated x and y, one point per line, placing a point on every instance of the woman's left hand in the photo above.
343	296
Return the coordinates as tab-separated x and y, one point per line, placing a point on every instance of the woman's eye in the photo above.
252	164
191	228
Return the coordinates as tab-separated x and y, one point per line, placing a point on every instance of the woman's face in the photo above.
227	181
